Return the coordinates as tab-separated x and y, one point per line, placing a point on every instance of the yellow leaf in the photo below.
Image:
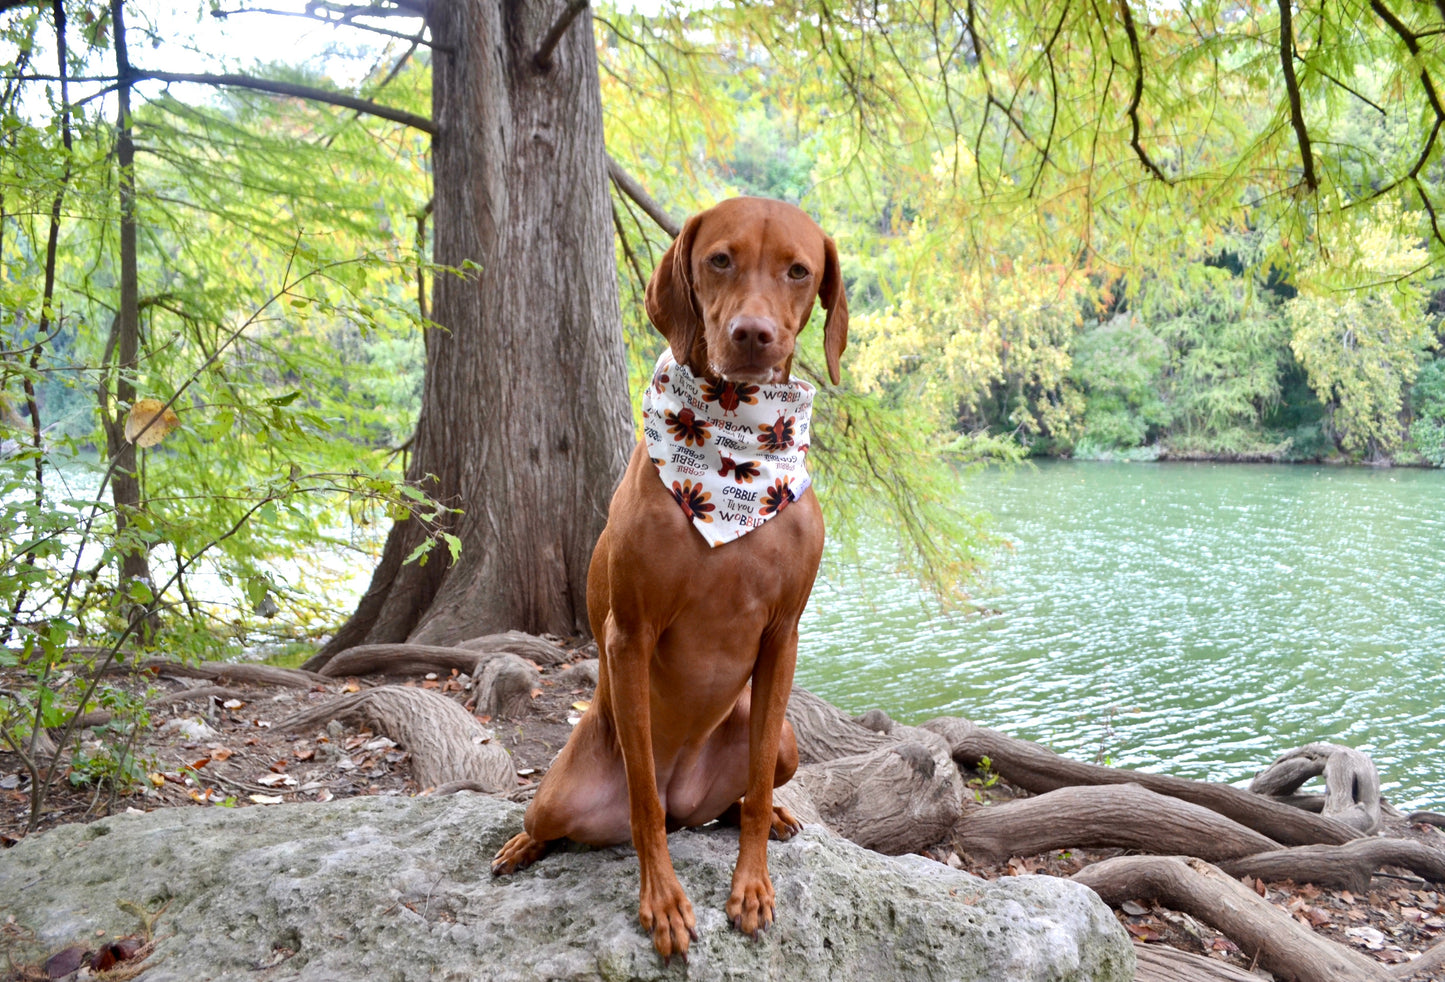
581	705
138	426
156	779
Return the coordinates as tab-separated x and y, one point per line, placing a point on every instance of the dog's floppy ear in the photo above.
835	302
670	304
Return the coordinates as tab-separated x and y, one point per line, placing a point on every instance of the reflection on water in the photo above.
1195	619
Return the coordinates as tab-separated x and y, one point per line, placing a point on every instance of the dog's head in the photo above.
735	288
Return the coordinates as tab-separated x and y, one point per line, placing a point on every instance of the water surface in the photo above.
1191	619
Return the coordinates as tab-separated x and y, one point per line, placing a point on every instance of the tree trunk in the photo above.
524	424
125	482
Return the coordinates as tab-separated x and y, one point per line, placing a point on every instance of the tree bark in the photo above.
1282	945
125	481
1352	784
1346	867
1123	815
446	742
524	423
1038	769
894	800
250	673
1157	963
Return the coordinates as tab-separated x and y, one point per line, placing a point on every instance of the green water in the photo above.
1191	619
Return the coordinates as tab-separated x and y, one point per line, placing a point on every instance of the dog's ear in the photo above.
670	303
835	302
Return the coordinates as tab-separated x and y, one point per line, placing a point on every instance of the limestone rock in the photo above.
400	889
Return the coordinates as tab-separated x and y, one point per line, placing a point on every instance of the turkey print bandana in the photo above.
731	453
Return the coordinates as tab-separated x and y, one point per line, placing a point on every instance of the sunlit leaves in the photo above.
149	421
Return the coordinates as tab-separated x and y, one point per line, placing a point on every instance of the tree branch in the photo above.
1291	84
299	92
1138	95
628	185
1412	42
543	58
346	21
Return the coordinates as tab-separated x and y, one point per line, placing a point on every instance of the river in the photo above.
1190	619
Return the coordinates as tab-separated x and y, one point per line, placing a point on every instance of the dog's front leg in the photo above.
750	906
663	907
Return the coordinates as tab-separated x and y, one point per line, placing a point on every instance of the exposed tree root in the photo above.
1040	770
244	672
1426	818
1352	784
446	743
520	643
1125	815
1159	963
505	685
825	732
1343	867
1282	945
896	799
468	657
403	659
199	692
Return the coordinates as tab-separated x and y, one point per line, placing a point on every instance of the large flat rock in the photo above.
400	889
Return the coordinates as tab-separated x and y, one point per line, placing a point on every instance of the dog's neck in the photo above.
732	454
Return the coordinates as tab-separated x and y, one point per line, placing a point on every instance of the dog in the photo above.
696	586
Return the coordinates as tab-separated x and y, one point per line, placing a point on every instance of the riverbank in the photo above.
231	748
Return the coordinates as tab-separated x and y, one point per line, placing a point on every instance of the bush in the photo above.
1427	402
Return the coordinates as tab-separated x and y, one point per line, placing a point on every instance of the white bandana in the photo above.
731	453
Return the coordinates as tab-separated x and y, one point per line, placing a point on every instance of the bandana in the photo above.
731	453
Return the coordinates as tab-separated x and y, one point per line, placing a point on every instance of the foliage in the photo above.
1362	349
279	352
1427	399
1064	228
1119	366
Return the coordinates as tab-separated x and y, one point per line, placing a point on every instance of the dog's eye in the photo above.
719	260
798	271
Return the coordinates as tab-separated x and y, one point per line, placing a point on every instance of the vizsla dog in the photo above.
698	640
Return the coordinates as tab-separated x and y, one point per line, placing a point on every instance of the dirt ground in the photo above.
229	751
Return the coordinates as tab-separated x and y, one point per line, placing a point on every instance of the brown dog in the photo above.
698	643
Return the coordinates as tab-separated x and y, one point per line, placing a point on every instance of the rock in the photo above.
193	729
400	889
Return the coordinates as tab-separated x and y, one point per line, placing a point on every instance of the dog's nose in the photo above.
752	332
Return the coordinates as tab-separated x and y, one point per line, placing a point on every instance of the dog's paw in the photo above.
751	904
666	914
785	824
520	852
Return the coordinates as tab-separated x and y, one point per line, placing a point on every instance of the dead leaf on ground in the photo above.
64	962
1144	932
